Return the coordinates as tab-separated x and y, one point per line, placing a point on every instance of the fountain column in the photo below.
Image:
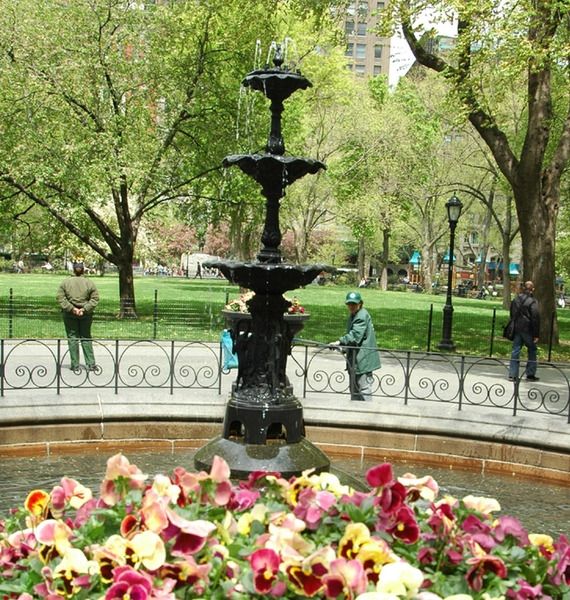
263	425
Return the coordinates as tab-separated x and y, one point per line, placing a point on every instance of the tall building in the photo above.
367	53
370	55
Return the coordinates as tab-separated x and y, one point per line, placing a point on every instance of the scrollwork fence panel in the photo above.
313	368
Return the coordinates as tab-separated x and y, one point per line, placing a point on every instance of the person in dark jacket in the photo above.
524	312
78	297
362	356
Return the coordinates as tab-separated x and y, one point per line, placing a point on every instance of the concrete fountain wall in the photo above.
98	421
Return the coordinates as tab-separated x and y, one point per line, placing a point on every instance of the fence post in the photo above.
305	369
171	367
58	367
116	378
155	315
220	366
461	382
2	368
430	322
11	313
493	321
407	376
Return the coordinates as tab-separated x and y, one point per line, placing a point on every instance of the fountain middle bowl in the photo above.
267	278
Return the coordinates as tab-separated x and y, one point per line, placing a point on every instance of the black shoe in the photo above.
512	378
532	378
74	368
92	368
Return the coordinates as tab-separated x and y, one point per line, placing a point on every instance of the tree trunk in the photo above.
427	268
383	266
538	232
361	257
127	308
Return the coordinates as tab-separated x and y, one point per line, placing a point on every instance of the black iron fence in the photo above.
313	368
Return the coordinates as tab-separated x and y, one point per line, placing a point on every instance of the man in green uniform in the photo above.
362	354
78	298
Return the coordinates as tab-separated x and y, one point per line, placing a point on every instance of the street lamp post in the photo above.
454	207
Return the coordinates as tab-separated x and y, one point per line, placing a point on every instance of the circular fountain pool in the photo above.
542	508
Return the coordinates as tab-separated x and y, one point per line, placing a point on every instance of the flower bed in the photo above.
240	304
198	535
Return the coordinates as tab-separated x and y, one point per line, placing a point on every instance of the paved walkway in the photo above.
451	395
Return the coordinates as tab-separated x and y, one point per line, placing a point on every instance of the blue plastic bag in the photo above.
230	359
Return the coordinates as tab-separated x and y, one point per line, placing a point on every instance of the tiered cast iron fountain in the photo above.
263	425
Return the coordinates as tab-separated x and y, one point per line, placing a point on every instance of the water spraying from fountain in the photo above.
263	426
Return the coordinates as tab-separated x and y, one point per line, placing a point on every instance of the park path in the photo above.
413	392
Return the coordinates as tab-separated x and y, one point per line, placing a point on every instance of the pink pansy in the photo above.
265	566
220	470
346	578
191	536
243	499
510	526
165	489
54	533
312	506
189	484
75	493
419	487
480	567
392	497
356	498
480	532
154	512
220	475
525	591
560	572
186	572
380	475
442	519
84	513
131	584
119	467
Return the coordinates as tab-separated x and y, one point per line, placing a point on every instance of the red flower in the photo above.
380	475
129	584
308	576
265	566
481	567
405	526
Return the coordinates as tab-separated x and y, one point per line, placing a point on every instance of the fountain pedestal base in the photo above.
243	459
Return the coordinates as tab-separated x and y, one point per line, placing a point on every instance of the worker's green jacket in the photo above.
360	335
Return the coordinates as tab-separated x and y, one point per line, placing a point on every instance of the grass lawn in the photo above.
179	308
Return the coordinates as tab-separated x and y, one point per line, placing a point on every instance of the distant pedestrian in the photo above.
198	270
362	356
78	297
524	313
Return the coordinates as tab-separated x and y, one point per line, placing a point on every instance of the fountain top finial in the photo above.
278	57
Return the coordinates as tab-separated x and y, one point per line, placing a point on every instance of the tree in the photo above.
111	108
502	45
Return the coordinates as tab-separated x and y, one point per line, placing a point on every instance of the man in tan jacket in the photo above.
78	298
